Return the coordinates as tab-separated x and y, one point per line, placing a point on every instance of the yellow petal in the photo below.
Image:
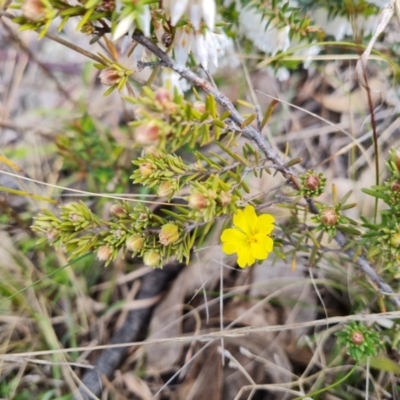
245	258
232	240
261	247
245	220
264	224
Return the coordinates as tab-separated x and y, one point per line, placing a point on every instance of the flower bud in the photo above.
357	337
147	133
103	253
88	28
106	5
134	243
152	151
395	239
143	216
225	198
312	182
198	201
75	217
109	76
329	217
199	106
163	96
52	235
34	10
166	189
118	233
395	186
151	258
118	211
146	169
169	234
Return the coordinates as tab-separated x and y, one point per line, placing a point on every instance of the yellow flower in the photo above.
249	236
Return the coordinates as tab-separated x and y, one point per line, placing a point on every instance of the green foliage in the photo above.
83	145
341	7
312	184
359	340
383	239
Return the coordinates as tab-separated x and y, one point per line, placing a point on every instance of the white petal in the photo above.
118	5
183	41
125	43
123	27
209	11
213	47
195	14
138	54
200	50
172	79
178	7
145	19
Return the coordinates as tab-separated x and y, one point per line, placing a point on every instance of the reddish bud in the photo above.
312	182
103	253
199	106
395	186
198	201
147	134
169	234
146	169
163	96
329	217
357	337
107	5
118	211
109	76
34	10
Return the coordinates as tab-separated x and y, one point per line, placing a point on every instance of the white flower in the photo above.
340	26
207	48
182	44
196	10
201	49
145	19
268	39
172	79
177	8
209	11
124	26
127	24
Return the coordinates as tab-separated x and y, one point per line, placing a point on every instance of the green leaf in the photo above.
345	198
373	193
350	230
85	18
248	120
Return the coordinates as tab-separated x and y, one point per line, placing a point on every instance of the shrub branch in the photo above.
252	134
